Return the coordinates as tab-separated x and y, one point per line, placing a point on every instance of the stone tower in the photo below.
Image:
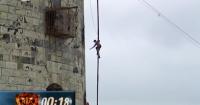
37	49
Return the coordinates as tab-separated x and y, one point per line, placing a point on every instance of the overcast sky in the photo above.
145	60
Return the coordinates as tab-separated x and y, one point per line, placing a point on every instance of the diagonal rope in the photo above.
172	23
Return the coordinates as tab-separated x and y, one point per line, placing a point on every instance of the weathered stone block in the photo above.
11	72
12	2
17	80
3	15
12	10
66	67
6	58
27	53
53	67
28	67
4	79
20	12
12	17
56	58
33	74
3	29
36	21
54	77
35	82
27	60
3	8
39	69
2	64
3	2
11	46
19	66
16	52
11	65
33	88
1	57
66	75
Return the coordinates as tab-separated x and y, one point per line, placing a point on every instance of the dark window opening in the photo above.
61	22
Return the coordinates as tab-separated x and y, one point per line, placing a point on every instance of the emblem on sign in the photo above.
27	99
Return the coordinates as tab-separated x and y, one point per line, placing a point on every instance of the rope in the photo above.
97	56
98	20
160	14
97	80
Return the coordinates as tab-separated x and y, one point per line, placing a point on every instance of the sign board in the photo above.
37	98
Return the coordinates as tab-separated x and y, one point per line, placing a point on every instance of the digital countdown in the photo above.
37	98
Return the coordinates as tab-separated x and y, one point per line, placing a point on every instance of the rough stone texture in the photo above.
31	60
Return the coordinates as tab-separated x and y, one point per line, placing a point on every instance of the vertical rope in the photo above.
98	20
97	80
97	56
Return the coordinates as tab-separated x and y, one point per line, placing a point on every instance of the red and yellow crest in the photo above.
27	99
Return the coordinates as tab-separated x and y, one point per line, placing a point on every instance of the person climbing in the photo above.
98	47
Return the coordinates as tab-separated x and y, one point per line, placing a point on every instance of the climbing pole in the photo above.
97	56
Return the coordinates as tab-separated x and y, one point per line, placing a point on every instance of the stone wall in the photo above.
31	60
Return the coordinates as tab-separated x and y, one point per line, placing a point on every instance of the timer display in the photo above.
53	101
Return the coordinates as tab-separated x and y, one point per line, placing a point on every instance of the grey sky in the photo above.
145	60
